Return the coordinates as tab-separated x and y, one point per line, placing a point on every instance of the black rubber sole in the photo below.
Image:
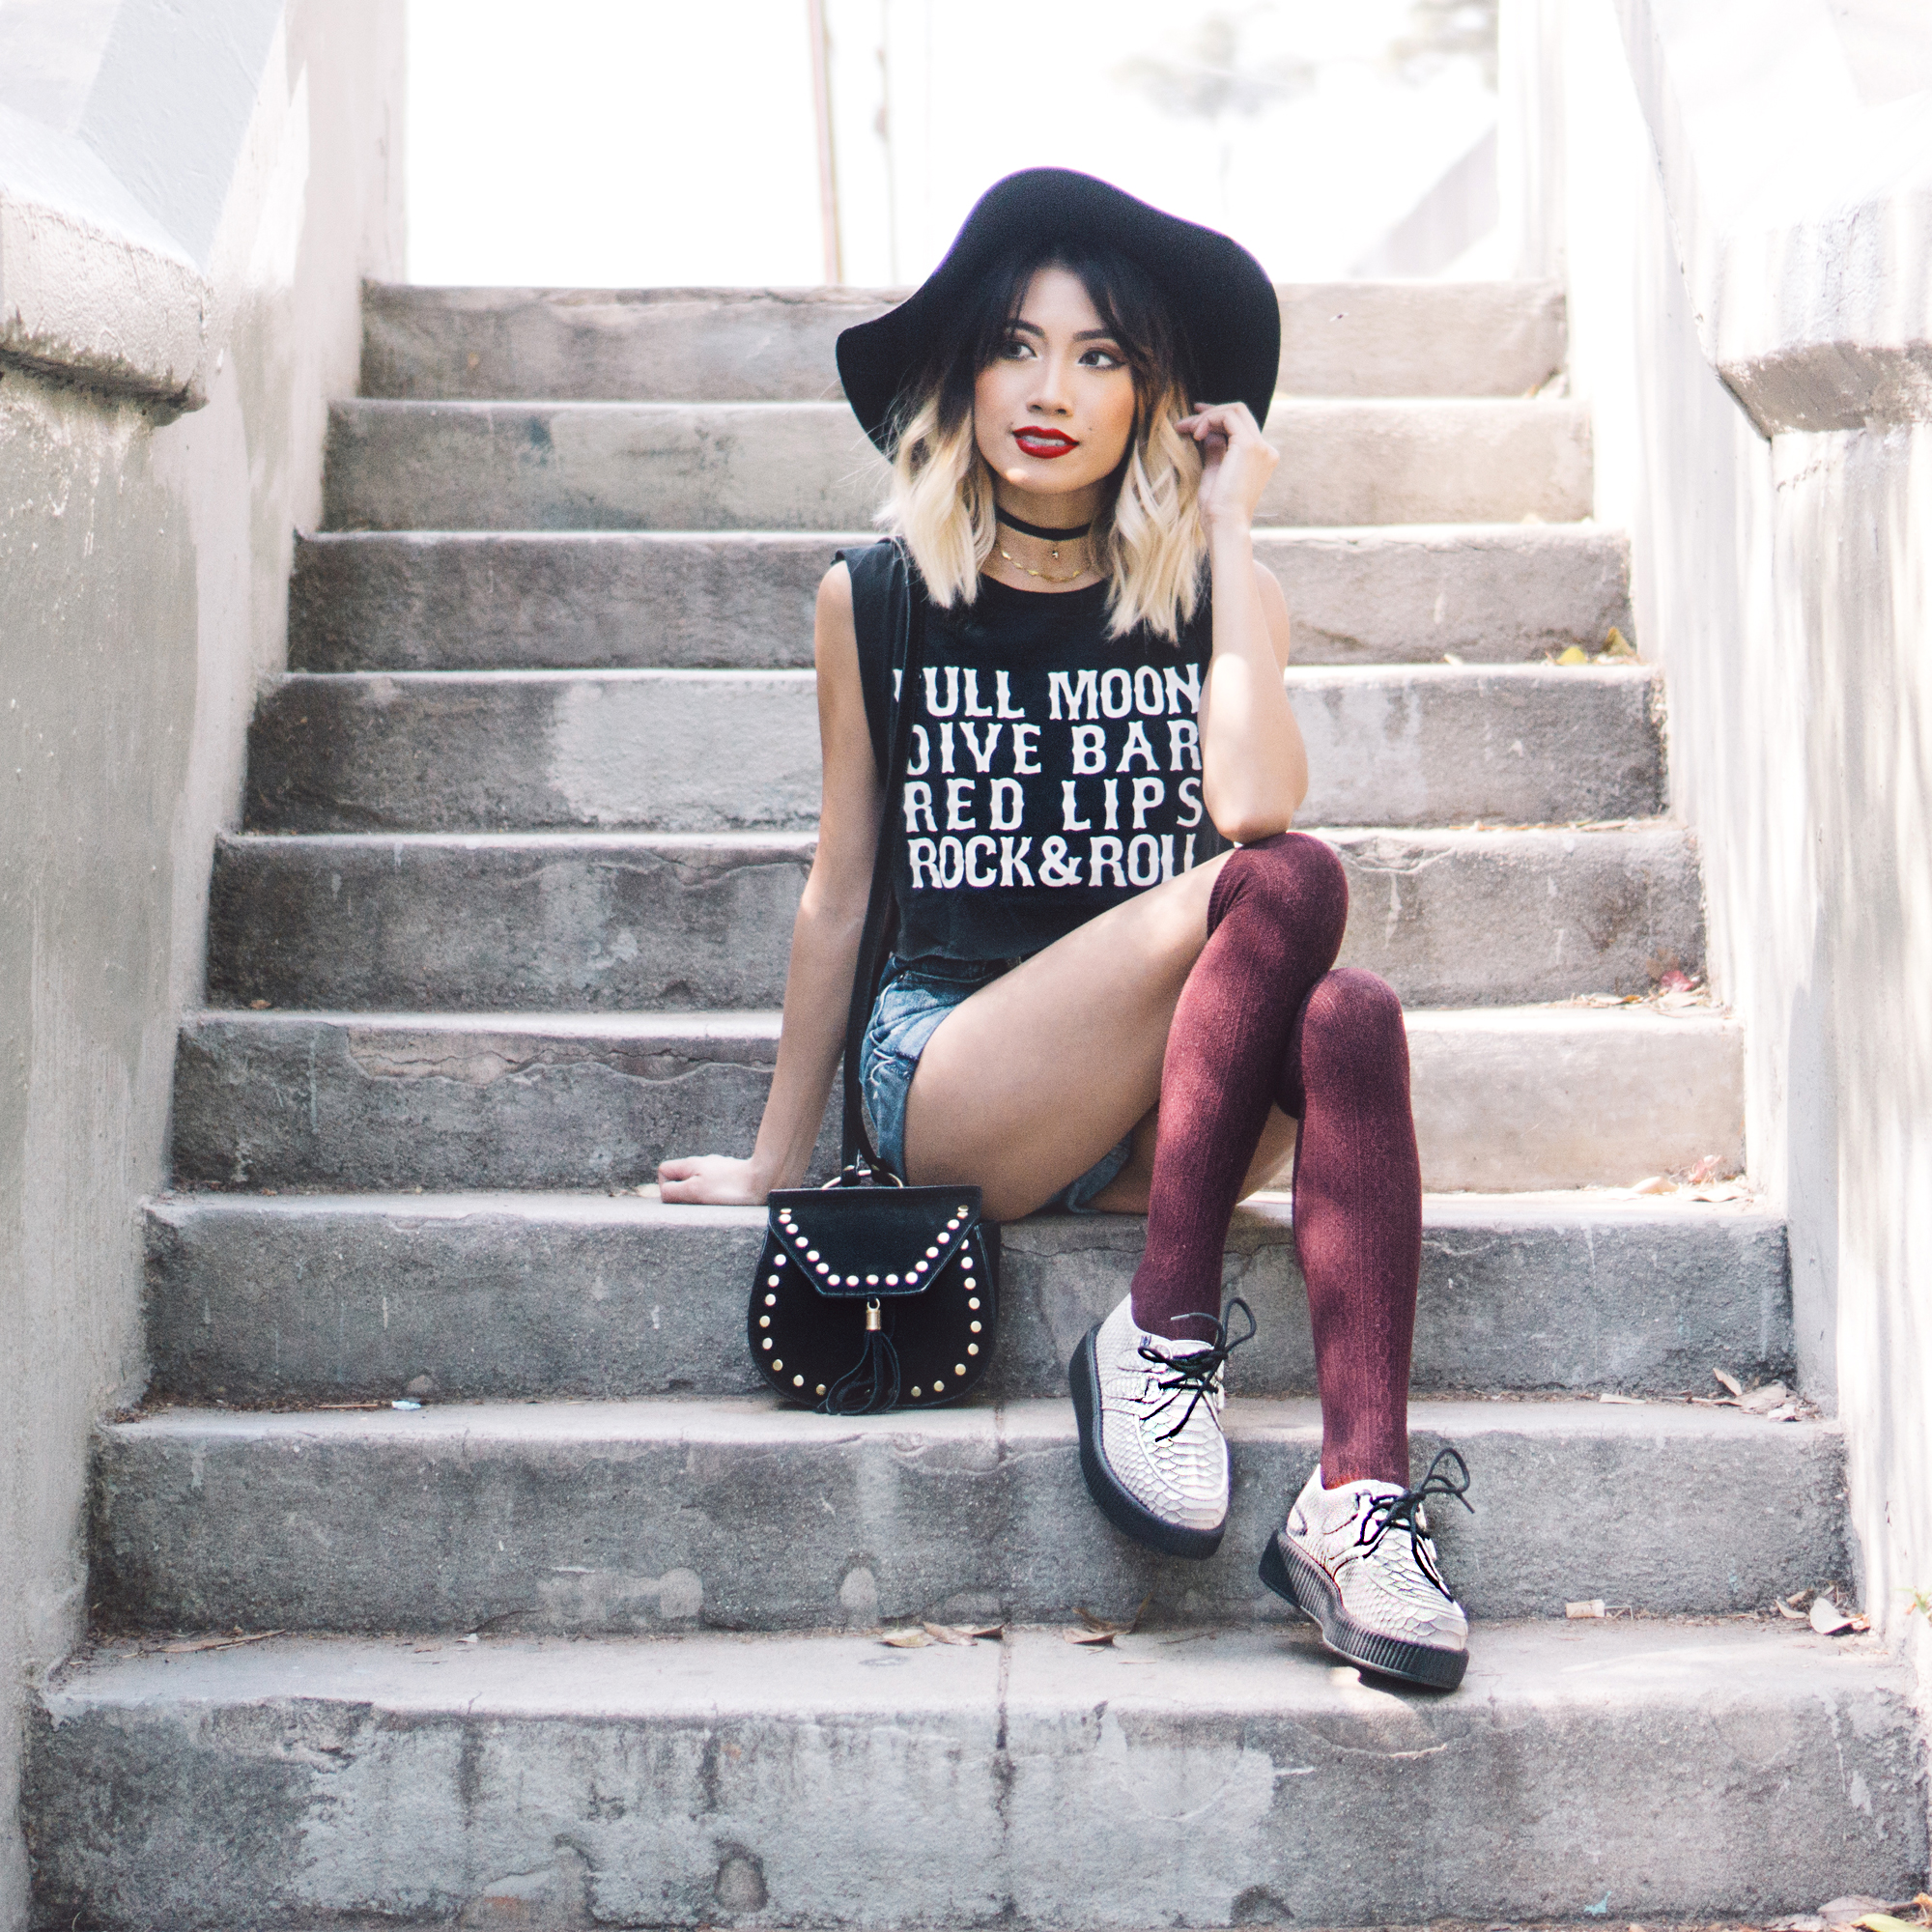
1128	1517
1293	1577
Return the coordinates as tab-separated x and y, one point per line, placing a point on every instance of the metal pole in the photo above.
828	171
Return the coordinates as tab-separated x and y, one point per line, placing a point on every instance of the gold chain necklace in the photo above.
1043	575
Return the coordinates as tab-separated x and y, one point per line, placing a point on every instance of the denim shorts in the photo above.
916	996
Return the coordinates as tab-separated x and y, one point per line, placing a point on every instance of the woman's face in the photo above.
1053	411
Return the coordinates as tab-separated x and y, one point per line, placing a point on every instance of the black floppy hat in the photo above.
1222	300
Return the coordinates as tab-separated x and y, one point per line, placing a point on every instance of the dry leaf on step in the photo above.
1575	654
1704	1172
1729	1380
1589	1606
1828	1619
1722	1190
1884	1921
1762	1400
1100	1630
1845	1911
907	1640
1629	1400
962	1633
1654	1183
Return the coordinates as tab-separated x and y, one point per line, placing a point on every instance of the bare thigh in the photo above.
1027	1083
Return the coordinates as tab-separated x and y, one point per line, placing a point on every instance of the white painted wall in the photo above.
188	200
1783	575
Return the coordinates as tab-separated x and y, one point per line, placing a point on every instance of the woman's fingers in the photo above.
1236	459
1229	419
711	1179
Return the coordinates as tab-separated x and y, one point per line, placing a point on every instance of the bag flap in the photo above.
872	1240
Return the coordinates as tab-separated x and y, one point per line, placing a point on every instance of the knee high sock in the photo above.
1274	926
1262	1018
1357	1218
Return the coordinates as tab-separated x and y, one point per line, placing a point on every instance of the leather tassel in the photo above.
872	1386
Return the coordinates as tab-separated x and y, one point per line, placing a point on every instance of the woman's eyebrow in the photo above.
1079	335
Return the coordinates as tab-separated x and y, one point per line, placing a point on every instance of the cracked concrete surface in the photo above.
1240	1761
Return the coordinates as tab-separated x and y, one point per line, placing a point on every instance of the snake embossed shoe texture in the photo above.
1151	1444
1360	1561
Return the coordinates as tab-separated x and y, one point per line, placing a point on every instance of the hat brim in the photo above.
1221	298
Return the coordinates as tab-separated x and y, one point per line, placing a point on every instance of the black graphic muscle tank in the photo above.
1054	770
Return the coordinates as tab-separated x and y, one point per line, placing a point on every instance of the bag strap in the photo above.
881	908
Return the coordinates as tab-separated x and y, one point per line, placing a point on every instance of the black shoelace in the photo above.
1406	1511
1193	1375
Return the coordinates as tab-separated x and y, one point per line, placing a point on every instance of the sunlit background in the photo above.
634	142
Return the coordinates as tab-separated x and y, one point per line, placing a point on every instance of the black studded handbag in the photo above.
871	1294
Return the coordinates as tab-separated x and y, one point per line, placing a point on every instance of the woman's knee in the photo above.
1297	877
1352	1030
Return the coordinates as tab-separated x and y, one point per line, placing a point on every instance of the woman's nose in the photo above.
1050	392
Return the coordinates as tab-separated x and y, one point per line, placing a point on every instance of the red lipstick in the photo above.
1045	442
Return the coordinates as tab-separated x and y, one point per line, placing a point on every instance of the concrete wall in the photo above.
1783	575
188	200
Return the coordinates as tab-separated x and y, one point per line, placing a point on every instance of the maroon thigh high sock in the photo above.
1357	1218
1261	1019
1274	926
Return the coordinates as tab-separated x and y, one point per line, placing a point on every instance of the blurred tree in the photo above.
1442	31
1211	80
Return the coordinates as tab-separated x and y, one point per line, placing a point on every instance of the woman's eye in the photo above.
1102	359
1014	347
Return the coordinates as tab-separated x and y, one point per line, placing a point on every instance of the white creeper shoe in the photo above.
1360	1561
1151	1444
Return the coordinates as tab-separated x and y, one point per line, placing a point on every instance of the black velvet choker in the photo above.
1033	530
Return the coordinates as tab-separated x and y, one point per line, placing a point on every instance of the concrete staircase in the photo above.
586	1639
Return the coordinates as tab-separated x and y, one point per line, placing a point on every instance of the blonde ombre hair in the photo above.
1146	539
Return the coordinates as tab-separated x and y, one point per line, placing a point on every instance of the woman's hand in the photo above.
1236	462
713	1181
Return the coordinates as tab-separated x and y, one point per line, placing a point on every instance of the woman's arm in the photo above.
824	940
1254	768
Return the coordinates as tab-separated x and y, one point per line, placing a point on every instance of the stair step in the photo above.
735	1512
808	466
1510	1097
440	600
676	345
694	750
513	1297
1659	1769
568	921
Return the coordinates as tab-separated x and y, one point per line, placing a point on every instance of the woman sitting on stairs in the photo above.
1094	1004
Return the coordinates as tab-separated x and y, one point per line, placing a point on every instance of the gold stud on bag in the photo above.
871	1294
